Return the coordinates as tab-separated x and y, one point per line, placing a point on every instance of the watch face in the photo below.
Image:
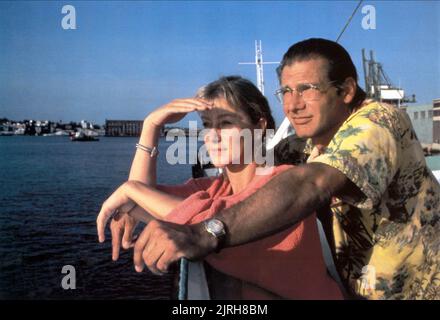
216	228
215	225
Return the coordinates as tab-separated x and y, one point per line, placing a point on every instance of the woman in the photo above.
286	265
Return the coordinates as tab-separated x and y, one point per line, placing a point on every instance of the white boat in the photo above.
19	131
81	136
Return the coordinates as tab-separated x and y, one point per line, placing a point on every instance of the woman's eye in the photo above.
225	124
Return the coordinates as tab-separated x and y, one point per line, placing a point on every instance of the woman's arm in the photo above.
123	226
143	167
140	215
143	171
155	202
133	193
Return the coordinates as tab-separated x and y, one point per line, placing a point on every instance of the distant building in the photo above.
422	120
123	128
436	120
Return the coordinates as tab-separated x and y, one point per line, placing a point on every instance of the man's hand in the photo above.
163	243
122	228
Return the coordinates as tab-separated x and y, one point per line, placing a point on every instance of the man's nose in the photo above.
293	102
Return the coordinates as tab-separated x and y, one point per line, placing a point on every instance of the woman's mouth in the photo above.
217	150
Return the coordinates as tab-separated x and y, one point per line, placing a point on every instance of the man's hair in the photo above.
241	94
339	64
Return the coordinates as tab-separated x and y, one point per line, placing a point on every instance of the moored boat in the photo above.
81	136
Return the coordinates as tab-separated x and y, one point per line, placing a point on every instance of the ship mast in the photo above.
283	130
378	85
259	65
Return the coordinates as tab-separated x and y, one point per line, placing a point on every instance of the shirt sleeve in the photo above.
365	151
188	188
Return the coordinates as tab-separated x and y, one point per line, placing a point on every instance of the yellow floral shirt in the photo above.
388	243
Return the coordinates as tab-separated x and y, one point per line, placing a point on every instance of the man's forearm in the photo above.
283	201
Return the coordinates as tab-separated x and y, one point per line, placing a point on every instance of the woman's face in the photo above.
228	134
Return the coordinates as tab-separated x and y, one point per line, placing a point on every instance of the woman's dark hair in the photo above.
242	94
340	66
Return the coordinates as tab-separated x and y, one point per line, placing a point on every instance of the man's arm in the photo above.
285	200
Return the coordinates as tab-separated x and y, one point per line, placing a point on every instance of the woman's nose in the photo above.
213	135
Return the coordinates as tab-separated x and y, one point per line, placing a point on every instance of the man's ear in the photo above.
349	90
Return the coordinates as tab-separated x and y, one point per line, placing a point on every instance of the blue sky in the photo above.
127	58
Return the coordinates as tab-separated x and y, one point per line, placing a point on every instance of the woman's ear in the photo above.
349	90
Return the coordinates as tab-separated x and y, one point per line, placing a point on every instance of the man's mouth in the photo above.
301	120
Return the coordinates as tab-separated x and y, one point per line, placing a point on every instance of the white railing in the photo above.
437	174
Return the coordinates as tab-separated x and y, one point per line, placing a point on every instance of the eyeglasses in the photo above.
307	91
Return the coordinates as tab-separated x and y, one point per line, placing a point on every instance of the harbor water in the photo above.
50	193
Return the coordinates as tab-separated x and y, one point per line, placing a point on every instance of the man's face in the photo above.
318	119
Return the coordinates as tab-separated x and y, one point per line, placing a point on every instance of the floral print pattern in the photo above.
395	228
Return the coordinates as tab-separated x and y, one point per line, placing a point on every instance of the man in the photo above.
365	161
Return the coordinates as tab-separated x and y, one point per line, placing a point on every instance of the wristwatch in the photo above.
216	228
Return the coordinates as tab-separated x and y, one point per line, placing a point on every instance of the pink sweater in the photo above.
289	263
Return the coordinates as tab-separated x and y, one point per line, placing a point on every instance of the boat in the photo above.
6	133
6	130
81	136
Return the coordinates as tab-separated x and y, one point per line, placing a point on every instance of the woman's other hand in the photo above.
122	227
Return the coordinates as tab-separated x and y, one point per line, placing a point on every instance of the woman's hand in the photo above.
118	201
176	110
122	228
